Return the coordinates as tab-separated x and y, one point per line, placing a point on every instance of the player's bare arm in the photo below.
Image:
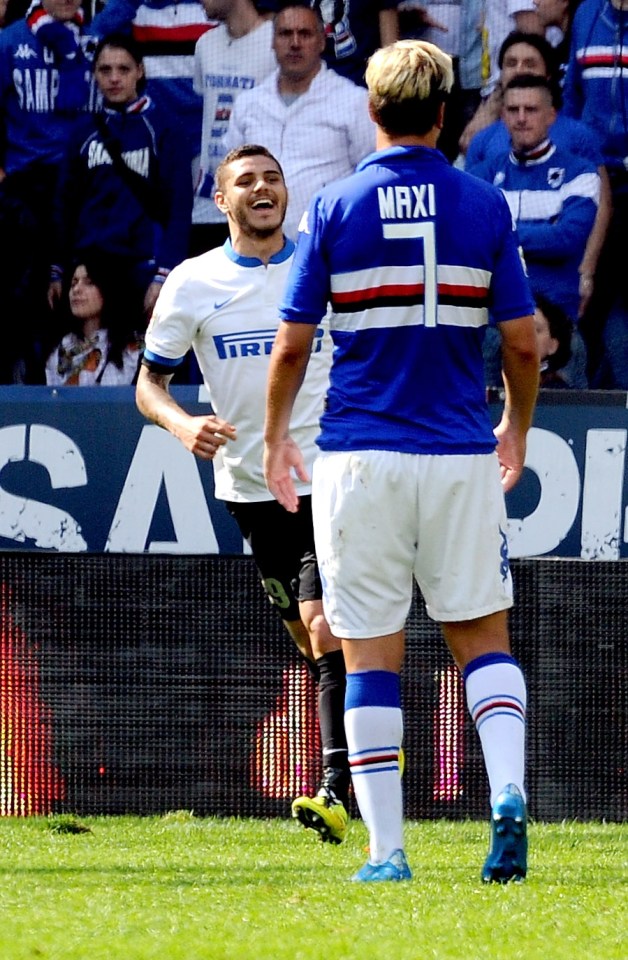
282	457
520	362
202	436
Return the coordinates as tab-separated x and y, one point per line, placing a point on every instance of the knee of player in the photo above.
321	638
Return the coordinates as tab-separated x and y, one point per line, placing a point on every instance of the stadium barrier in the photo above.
147	683
82	472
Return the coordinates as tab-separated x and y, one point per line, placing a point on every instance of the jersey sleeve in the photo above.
171	329
562	237
306	296
573	99
115	17
586	144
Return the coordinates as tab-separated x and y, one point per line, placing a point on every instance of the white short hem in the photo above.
347	635
450	617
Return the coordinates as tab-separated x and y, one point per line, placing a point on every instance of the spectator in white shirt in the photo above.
233	57
315	122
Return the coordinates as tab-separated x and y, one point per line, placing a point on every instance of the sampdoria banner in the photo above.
82	471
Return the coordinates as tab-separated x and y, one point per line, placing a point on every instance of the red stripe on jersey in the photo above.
603	60
462	290
408	289
372	293
151	34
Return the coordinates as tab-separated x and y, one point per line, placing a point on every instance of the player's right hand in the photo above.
282	461
203	436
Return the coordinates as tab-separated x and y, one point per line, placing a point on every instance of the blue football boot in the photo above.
507	856
395	868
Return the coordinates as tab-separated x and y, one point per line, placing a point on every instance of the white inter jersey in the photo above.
223	68
225	307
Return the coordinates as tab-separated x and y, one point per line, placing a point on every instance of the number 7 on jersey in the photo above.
426	232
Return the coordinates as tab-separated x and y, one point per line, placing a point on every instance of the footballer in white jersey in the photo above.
224	305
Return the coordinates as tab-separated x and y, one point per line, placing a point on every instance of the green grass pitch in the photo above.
185	888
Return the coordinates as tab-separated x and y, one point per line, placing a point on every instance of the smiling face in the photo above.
253	196
118	75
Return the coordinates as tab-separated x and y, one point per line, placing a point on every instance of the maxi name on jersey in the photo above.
407	202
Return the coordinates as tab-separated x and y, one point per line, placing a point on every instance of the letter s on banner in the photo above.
23	519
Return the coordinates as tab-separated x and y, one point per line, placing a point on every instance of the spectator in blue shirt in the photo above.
126	185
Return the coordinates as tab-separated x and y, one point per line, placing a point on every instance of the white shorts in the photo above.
382	518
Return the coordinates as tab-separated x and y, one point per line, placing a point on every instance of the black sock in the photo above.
312	668
331	716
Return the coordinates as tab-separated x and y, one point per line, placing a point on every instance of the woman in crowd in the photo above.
126	185
99	347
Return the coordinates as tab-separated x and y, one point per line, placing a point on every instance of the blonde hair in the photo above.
407	81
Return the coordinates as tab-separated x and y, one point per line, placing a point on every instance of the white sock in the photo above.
496	698
374	733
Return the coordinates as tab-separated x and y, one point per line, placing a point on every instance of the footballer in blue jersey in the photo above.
406	287
410	477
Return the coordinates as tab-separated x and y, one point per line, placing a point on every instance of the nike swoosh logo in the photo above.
223	303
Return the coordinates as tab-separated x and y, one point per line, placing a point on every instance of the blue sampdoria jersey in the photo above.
596	84
412	255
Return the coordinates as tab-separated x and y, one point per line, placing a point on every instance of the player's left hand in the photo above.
282	460
511	453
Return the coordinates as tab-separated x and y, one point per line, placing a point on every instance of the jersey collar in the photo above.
402	153
136	106
280	257
528	158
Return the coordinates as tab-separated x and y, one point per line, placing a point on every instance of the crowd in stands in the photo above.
114	117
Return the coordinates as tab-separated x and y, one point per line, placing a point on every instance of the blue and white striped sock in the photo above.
496	698
374	727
